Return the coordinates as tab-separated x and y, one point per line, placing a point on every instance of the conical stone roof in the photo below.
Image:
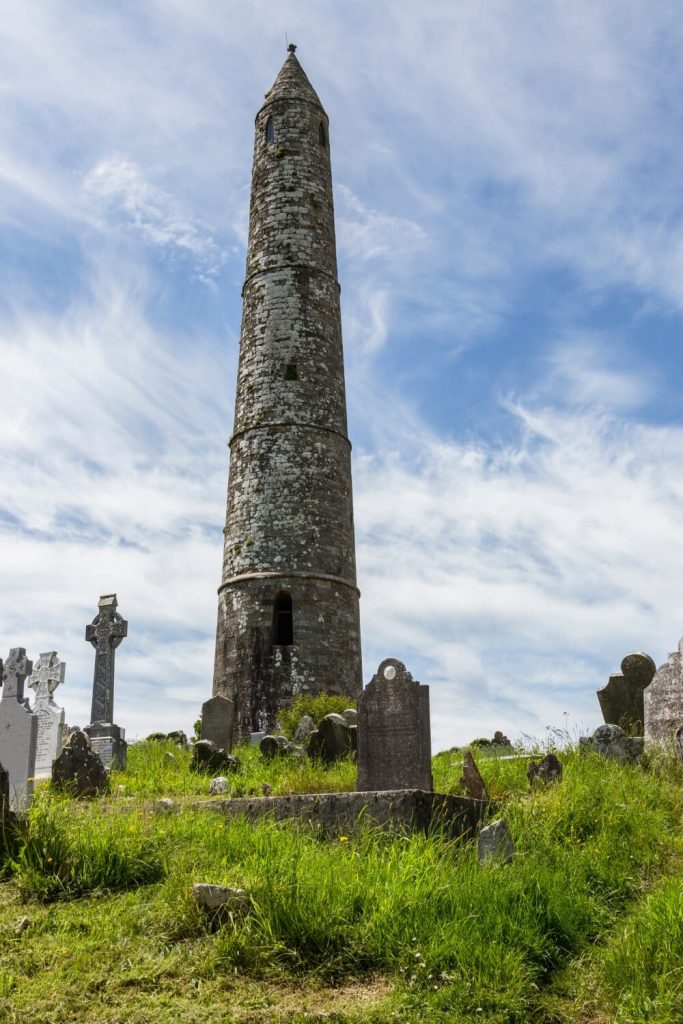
292	84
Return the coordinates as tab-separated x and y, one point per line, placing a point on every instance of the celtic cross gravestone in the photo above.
48	674
18	730
105	633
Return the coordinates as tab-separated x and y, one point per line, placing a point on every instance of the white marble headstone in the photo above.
18	730
48	673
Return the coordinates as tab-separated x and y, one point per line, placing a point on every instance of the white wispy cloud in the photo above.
120	186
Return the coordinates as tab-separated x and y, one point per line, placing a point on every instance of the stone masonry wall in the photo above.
289	524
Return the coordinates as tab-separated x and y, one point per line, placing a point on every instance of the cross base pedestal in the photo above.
107	741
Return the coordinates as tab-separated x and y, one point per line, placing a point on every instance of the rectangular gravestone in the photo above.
394	735
217	718
48	673
18	730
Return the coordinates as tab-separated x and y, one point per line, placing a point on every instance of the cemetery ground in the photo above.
98	922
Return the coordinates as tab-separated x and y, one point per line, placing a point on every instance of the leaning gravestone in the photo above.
217	718
394	740
18	730
48	673
105	633
621	701
663	700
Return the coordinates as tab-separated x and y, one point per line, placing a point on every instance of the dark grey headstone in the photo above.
621	701
332	739
79	770
394	738
211	760
663	700
217	718
108	742
18	730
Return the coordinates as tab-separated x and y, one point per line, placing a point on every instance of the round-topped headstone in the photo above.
639	667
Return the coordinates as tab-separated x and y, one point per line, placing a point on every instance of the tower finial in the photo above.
292	47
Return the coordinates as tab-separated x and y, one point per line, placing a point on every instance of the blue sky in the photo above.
507	190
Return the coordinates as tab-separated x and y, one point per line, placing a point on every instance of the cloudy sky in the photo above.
510	229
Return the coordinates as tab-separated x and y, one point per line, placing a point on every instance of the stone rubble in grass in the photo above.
220	897
495	843
612	742
219	786
548	769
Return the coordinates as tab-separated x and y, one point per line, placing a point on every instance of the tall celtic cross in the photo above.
14	672
48	673
105	633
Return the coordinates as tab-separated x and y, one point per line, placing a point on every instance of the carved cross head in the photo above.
48	673
14	672
108	628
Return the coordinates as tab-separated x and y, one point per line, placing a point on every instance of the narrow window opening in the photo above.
322	134
283	621
290	372
270	130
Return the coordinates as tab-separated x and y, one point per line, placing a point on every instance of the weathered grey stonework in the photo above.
663	700
394	736
18	729
402	810
289	526
217	720
621	701
47	675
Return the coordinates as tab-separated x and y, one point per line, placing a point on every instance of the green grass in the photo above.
585	925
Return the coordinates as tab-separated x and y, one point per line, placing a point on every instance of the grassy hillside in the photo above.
98	923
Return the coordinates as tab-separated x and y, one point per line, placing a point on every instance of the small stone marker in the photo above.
611	742
210	759
663	700
303	731
471	781
219	786
105	633
495	843
678	744
78	769
548	769
18	730
621	701
219	897
217	718
394	738
48	674
331	740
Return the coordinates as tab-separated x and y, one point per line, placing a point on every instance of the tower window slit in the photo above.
270	130
322	134
283	620
290	372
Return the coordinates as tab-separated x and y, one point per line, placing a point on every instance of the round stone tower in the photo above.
288	616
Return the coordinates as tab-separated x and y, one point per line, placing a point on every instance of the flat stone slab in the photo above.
398	810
